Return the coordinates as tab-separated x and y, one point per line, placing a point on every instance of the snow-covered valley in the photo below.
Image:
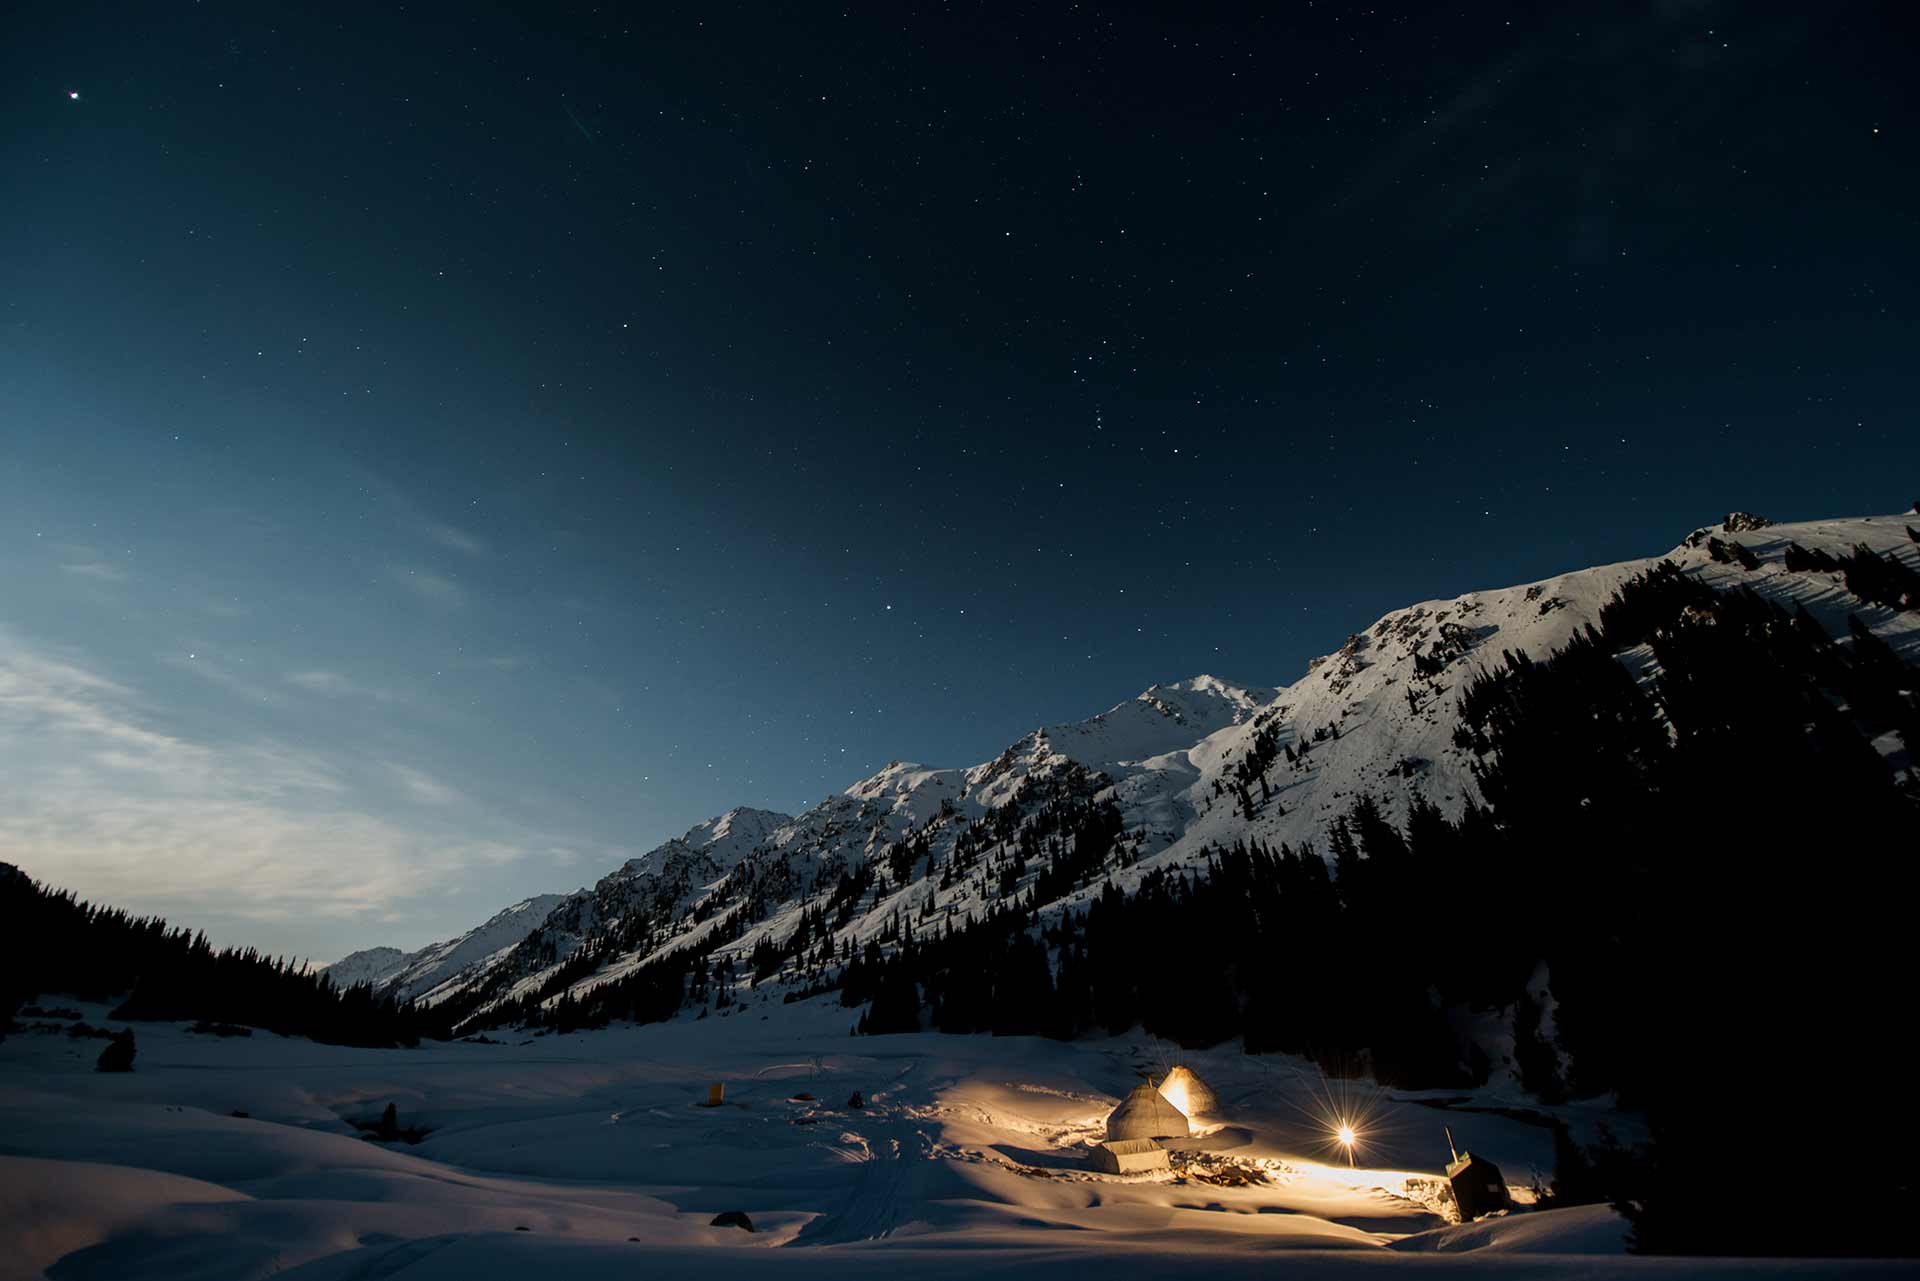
587	1155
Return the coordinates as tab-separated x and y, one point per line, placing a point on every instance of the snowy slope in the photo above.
1365	718
371	965
657	886
431	966
409	974
1395	748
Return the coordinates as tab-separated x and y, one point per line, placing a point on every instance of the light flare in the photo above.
1346	1137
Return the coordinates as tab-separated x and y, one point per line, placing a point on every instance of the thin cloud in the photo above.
421	786
323	682
83	561
103	800
428	586
338	685
563	856
211	669
95	569
413	517
457	539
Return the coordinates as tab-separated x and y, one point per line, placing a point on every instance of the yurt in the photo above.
1128	1156
1146	1114
1186	1091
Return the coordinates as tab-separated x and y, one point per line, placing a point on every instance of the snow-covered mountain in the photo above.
656	886
408	974
661	881
1188	765
369	965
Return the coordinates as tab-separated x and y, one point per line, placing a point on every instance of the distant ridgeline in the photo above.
51	943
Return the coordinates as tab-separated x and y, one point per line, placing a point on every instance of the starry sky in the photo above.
444	452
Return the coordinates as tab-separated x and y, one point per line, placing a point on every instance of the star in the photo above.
73	95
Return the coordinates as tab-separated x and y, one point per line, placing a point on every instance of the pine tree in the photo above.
1346	861
896	1004
1533	1056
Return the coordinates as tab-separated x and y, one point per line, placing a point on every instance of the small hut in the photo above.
1128	1156
1146	1114
1186	1091
1478	1187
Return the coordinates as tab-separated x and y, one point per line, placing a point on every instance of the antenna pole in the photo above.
1450	1150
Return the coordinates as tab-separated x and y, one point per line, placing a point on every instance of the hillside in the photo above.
658	885
410	974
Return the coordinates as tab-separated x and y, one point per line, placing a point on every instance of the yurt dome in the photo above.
1146	1114
1186	1091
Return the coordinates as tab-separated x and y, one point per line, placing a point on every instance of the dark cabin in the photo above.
1477	1186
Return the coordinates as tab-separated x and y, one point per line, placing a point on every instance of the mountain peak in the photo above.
726	839
369	965
739	820
1206	687
893	777
1162	718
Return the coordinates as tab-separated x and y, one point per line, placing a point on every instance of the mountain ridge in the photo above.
410	974
1187	765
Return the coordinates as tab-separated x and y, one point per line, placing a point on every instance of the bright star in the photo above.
73	95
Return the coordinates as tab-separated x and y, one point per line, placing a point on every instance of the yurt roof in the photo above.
1184	1088
1146	1114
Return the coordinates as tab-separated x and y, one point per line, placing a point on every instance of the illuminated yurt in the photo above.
1186	1091
1146	1114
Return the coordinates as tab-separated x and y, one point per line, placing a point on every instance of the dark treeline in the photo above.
1724	878
1876	578
1715	867
1260	943
648	993
52	943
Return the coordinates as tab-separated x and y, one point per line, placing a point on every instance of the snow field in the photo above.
969	1155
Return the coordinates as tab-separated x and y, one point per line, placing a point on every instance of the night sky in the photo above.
445	453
